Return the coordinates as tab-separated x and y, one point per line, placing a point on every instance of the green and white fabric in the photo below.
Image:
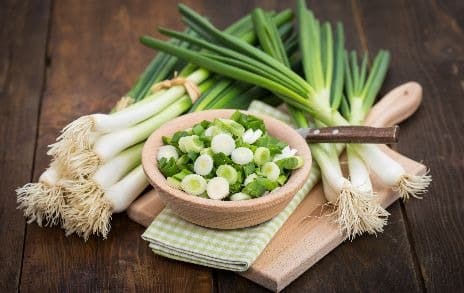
234	250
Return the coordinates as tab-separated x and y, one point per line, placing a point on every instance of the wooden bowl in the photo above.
225	214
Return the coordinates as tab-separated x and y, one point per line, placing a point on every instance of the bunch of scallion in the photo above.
96	170
319	96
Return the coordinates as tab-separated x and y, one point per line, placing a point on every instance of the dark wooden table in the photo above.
63	59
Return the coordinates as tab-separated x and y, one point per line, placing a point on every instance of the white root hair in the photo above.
88	211
358	212
74	138
413	185
41	203
82	164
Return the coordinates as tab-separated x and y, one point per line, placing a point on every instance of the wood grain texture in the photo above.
95	57
22	73
427	45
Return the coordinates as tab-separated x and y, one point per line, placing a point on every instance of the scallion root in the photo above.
412	185
358	212
88	211
82	164
75	137
41	202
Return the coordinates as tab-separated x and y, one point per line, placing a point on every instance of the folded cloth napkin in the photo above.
234	250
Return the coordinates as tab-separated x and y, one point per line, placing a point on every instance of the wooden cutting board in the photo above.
308	234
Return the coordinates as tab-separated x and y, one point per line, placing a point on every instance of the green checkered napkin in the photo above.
234	250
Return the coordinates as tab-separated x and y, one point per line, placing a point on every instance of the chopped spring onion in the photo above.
218	188
213	130
203	165
271	171
250	178
239	196
231	126
228	172
191	143
262	155
251	136
174	183
290	163
167	152
223	143
194	184
242	155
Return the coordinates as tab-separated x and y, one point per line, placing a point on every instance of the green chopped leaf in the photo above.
198	130
290	163
248	169
231	126
234	188
249	121
205	124
166	140
274	145
254	189
192	156
282	179
221	159
175	138
168	167
180	175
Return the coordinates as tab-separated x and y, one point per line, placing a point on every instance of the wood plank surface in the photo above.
23	31
95	57
426	40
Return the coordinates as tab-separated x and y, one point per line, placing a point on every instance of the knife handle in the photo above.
353	134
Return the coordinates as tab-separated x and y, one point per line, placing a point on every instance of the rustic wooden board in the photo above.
426	41
22	75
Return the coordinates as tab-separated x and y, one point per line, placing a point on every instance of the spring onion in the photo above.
194	184
228	172
218	188
223	143
35	198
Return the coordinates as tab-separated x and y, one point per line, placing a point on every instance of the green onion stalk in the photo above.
360	93
356	209
324	73
114	176
43	201
231	57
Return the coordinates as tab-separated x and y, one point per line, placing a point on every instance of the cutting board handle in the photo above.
395	107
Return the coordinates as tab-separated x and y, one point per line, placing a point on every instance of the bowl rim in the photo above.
157	179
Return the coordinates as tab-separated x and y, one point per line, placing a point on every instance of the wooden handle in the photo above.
396	106
352	134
